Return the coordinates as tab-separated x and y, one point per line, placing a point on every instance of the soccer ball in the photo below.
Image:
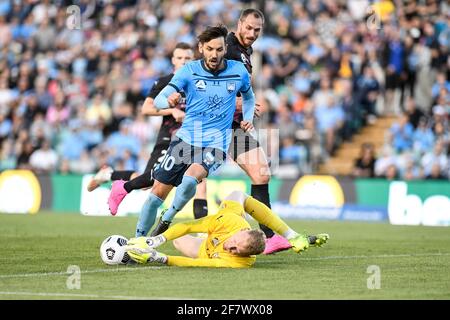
112	250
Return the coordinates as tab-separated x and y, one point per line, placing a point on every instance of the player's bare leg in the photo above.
255	165
102	176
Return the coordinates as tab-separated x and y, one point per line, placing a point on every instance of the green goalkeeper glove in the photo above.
150	257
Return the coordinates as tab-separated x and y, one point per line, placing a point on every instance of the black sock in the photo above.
261	193
200	208
121	175
145	180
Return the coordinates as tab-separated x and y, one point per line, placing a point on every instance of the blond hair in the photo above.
256	242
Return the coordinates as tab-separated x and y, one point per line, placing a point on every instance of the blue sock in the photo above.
148	215
185	192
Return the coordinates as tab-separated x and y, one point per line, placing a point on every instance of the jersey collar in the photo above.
216	73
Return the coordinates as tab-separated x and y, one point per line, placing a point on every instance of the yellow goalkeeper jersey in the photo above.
219	227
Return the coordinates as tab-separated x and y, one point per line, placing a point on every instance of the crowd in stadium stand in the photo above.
71	89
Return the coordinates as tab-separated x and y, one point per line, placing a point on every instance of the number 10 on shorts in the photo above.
168	162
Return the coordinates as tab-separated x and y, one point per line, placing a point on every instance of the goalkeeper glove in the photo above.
144	244
151	256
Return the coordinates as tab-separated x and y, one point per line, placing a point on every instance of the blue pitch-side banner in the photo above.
346	212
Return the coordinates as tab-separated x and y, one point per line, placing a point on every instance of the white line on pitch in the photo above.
406	255
79	295
61	273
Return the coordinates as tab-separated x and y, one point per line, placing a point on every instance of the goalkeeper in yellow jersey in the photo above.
230	242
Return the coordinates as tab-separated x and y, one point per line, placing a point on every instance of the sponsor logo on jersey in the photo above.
200	84
231	86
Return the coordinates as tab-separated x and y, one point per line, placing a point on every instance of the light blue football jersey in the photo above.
210	101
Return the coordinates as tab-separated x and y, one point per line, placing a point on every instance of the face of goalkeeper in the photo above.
245	243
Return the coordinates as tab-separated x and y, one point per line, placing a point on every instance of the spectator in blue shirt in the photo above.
423	137
72	144
402	134
441	83
330	119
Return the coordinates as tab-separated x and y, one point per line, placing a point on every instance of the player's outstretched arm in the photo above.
149	109
194	226
199	262
162	99
157	257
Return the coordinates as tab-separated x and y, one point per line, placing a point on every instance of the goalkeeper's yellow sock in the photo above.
264	215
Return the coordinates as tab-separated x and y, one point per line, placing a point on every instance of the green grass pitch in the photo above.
36	250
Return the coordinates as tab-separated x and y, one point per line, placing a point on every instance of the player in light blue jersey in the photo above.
210	101
210	86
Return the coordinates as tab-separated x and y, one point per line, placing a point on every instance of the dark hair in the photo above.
256	13
211	33
183	45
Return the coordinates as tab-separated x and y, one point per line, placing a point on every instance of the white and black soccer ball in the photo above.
112	250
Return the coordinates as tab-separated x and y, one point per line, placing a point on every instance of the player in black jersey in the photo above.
245	149
171	122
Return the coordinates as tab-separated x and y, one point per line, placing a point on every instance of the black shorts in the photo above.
180	156
158	153
241	142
